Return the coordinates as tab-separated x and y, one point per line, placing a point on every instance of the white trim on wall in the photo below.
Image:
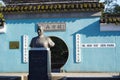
3	28
109	27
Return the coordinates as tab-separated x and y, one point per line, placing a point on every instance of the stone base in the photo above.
39	64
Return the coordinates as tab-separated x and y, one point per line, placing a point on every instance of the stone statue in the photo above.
41	41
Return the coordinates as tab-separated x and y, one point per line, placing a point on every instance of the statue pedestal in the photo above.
39	64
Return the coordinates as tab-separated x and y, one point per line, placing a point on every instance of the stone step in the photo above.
65	76
10	77
85	76
91	78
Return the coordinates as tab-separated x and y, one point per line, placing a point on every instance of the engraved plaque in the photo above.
14	45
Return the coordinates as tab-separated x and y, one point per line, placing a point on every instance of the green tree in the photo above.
110	5
117	9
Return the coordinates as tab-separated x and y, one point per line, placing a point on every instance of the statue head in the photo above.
40	30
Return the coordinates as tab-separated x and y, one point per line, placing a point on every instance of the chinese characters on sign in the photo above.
53	26
78	50
25	48
80	45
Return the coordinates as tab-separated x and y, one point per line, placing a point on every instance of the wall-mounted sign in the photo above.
80	45
78	50
98	45
53	26
25	48
14	45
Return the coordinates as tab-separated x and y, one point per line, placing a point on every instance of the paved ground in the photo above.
59	76
56	76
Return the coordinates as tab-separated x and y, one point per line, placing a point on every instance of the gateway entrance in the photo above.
59	53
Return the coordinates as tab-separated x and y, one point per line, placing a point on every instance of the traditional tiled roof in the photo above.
46	7
110	18
54	7
40	1
1	19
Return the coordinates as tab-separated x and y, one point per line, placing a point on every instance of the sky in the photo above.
117	1
1	3
110	7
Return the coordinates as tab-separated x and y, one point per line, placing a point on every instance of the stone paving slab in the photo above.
60	76
91	78
83	76
86	74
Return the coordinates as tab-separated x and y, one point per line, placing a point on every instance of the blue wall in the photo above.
95	60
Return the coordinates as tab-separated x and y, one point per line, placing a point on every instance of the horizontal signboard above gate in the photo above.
53	26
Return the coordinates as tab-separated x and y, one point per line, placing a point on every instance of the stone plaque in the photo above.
14	45
53	26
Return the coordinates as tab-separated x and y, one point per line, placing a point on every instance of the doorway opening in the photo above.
59	54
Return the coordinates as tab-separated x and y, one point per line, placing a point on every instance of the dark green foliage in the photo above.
117	9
